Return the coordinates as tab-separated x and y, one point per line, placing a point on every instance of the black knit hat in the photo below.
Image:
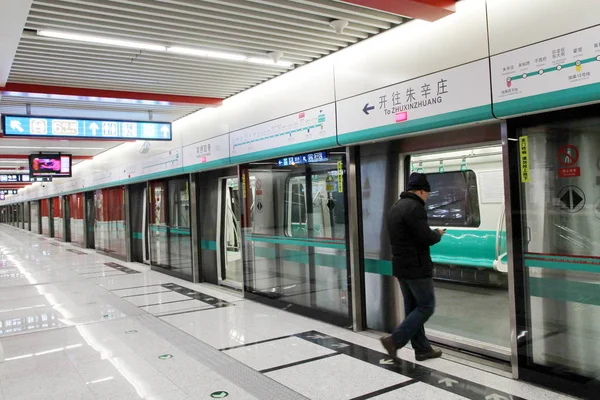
418	181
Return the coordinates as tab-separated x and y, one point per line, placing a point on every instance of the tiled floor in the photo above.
74	327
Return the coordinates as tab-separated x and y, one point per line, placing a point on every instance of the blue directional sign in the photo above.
319	156
30	126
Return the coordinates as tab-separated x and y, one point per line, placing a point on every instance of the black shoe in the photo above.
389	346
429	355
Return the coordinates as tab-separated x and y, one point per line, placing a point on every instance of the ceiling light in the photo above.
52	148
266	61
206	53
100	40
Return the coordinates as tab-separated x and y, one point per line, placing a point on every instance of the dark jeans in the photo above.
419	304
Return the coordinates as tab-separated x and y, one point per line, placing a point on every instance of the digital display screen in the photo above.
54	165
319	156
40	127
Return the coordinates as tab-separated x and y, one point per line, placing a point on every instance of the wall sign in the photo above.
297	131
40	127
405	107
569	62
206	151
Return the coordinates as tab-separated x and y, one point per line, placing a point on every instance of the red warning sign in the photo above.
568	155
572	172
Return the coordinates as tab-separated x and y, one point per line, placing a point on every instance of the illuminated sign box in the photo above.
14	178
319	156
42	127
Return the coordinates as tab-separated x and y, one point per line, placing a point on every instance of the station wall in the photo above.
481	36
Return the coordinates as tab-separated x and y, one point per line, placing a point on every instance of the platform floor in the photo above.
78	325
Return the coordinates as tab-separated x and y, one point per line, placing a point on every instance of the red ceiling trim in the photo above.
111	94
428	10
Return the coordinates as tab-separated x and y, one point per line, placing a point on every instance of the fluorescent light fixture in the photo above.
100	40
266	61
173	49
206	53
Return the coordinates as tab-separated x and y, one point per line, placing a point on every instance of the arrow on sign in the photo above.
495	396
366	108
449	382
16	125
219	395
385	361
165	130
94	128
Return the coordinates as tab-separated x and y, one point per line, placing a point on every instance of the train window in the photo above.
327	209
296	207
454	200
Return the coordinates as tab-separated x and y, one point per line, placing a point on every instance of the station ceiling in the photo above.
164	59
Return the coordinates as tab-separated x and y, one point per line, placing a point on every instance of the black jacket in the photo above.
411	237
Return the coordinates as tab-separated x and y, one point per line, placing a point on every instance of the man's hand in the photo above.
442	232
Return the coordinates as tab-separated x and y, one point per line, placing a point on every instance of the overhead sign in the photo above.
8	191
15	178
315	126
30	126
564	63
463	89
320	156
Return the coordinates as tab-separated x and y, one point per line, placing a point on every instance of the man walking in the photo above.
411	237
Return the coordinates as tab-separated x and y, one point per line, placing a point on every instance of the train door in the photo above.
138	205
470	262
36	224
90	219
229	234
66	206
555	222
294	225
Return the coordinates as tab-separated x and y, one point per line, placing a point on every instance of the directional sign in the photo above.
11	178
41	127
319	156
439	95
572	199
8	191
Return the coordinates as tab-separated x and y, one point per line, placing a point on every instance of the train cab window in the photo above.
454	200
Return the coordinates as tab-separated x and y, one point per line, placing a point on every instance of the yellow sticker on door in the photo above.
524	156
340	176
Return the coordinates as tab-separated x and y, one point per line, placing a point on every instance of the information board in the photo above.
206	151
292	130
31	126
568	63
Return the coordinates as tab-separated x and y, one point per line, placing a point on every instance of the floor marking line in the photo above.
259	342
166	302
186	311
135	287
308	360
385	390
465	388
144	294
